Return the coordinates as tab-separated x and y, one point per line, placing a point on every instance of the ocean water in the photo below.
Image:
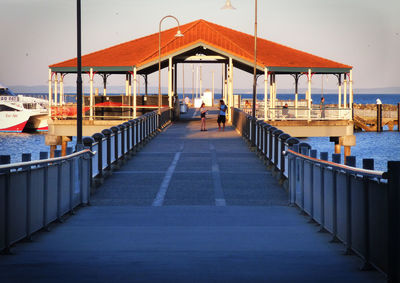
329	98
382	147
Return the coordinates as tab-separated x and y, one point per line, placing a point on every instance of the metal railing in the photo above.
36	193
118	143
359	207
303	113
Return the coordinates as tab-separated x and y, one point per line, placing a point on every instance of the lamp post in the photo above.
178	34
229	6
79	145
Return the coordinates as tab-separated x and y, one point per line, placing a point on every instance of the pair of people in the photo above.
221	116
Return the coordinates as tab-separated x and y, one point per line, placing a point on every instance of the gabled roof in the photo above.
143	51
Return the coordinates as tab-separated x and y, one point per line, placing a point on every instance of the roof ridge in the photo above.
190	25
232	42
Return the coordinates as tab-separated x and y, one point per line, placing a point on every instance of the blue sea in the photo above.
382	147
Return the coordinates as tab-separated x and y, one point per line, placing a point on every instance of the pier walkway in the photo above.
191	206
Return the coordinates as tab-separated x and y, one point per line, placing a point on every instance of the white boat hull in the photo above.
13	121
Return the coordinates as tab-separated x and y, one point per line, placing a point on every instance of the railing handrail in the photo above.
360	171
42	161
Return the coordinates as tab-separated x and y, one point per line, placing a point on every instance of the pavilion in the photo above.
204	42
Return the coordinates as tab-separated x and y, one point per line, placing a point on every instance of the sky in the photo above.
362	33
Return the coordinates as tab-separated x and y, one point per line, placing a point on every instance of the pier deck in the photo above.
191	206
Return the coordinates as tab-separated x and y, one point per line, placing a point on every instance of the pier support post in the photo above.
347	151
347	142
379	117
53	149
337	144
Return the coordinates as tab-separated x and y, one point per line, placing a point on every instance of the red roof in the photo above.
240	45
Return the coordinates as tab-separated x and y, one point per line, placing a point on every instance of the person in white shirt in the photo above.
222	115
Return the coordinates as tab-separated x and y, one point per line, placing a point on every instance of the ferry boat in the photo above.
22	113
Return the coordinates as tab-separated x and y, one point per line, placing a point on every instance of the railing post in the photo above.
335	158
98	137
265	141
323	156
294	174
6	159
43	155
115	132
122	131
132	136
367	164
350	161
304	149
275	135
88	143
282	138
270	130
393	221
107	134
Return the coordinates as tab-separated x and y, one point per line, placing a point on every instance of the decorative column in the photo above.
230	92
296	94
309	95
145	84
345	91
91	94
225	82
265	93
270	96
134	90
104	84
339	91
129	85
212	94
55	89
61	89
126	84
273	96
50	89
351	89
170	82
200	82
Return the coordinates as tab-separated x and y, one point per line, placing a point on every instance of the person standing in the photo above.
222	115
322	107
203	112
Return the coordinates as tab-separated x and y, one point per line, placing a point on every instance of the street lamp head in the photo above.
178	33
228	5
